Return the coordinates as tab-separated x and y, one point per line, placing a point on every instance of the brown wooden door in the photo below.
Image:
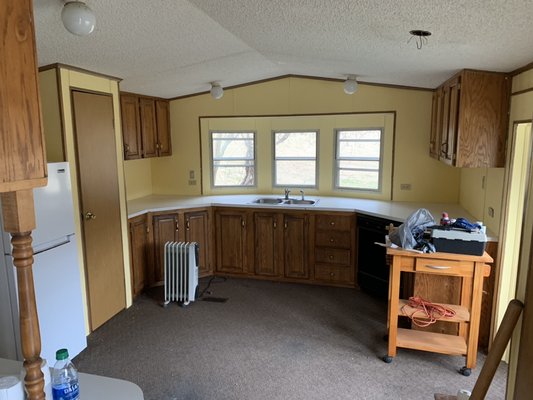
139	252
267	251
131	129
166	229
148	127
295	245
162	111
100	204
197	230
230	241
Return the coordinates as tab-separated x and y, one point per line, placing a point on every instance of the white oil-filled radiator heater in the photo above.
181	272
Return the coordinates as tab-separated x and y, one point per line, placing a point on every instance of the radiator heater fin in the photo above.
181	272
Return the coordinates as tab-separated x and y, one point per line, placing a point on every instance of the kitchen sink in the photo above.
297	201
268	200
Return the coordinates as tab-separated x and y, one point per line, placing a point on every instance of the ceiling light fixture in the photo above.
421	37
78	18
350	84
216	91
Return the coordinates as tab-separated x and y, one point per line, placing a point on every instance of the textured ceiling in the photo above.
171	48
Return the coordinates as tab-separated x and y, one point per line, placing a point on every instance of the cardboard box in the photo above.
459	241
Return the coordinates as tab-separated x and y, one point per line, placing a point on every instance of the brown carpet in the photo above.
269	341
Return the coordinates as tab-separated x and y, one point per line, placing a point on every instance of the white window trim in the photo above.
316	158
212	161
336	160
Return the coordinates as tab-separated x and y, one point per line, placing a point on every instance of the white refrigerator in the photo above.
56	275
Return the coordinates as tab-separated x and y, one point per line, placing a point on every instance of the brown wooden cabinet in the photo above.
335	248
296	245
231	240
469	119
148	127
197	229
162	114
268	244
145	126
165	229
139	252
131	128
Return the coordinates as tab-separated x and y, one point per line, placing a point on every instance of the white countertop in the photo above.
393	210
92	387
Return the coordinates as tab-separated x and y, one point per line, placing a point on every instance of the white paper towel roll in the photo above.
463	394
11	388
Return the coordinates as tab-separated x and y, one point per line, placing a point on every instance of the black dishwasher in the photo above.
372	269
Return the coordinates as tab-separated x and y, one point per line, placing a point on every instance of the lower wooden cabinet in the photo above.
165	229
196	229
282	245
139	252
296	245
335	248
231	240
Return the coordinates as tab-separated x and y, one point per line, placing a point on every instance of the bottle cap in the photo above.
61	354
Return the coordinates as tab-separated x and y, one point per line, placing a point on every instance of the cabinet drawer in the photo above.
337	222
334	239
327	255
334	274
446	267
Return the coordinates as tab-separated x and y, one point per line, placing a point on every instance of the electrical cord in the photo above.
221	279
426	312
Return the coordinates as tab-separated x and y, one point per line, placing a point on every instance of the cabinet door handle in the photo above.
243	223
332	223
285	225
177	226
331	240
188	225
331	257
440	267
275	224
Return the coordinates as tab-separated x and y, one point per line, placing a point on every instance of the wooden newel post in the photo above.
19	221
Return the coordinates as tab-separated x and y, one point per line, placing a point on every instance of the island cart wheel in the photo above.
465	371
387	359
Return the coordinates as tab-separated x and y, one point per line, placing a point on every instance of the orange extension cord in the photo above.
429	312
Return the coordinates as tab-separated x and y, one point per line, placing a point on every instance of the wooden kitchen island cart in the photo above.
471	270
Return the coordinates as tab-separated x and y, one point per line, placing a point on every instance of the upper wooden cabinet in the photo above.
469	119
22	154
145	126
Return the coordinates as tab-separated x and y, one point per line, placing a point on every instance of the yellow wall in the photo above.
430	179
138	177
51	113
481	189
68	79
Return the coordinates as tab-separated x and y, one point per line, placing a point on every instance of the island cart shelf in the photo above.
471	270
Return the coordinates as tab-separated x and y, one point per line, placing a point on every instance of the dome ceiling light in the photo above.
216	91
77	18
350	84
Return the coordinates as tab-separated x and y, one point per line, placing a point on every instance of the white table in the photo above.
92	387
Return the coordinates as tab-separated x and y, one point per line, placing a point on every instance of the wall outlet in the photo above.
405	186
191	175
192	182
491	212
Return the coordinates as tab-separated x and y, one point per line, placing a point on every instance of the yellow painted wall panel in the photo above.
138	178
523	81
430	180
51	112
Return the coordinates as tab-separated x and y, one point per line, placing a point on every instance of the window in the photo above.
295	159
233	158
358	159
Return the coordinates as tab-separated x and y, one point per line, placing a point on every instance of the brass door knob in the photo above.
89	215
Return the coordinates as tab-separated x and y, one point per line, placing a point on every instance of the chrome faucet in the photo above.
287	191
303	194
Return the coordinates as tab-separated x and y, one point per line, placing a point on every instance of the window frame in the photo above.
336	160
274	159
212	160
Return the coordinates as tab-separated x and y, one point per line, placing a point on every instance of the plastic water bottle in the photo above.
64	378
